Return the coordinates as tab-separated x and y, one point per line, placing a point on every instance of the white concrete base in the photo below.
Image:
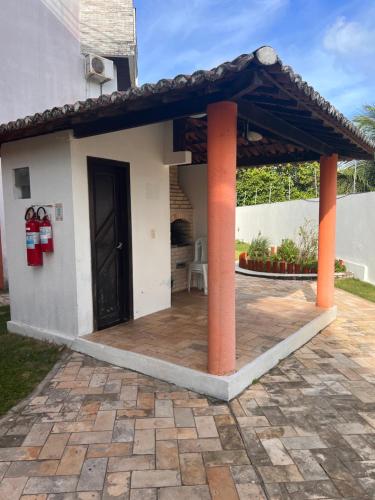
225	388
285	276
39	333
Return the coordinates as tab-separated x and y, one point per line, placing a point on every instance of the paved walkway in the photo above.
305	431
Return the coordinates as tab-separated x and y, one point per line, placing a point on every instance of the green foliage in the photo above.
265	184
308	242
259	247
366	120
288	251
363	176
24	362
241	246
364	171
357	287
339	266
254	184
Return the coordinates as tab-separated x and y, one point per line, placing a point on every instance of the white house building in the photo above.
44	47
105	170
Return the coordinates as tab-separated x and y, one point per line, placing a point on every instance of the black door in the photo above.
110	241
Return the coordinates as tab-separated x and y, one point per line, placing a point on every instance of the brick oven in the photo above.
181	232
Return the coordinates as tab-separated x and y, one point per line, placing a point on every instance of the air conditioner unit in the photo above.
98	69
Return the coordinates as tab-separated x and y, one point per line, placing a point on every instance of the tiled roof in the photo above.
264	59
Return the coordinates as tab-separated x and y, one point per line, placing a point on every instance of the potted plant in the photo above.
242	260
268	265
297	267
340	266
275	263
305	266
308	246
314	267
250	257
282	266
288	252
259	249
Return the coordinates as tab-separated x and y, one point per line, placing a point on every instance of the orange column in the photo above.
221	152
327	231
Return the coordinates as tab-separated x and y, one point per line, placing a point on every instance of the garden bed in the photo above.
288	276
289	260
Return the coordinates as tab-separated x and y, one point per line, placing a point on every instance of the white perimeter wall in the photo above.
43	297
355	235
57	298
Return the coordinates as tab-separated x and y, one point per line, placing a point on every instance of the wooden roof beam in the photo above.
271	123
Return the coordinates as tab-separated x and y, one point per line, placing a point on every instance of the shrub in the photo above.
288	251
308	242
259	247
339	266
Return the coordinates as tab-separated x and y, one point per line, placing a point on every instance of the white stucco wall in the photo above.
43	297
355	235
193	181
149	186
57	297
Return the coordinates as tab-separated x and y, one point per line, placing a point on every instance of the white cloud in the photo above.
352	45
348	38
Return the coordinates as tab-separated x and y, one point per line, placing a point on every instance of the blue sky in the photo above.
331	43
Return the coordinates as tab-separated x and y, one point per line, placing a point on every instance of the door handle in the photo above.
119	246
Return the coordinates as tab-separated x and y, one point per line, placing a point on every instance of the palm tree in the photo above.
366	121
360	174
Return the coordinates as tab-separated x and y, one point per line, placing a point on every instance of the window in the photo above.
22	183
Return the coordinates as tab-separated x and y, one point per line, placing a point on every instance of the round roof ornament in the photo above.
266	55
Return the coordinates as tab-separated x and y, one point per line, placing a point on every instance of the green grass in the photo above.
241	246
24	362
357	287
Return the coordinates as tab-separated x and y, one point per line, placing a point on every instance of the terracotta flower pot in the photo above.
268	266
242	260
297	268
275	266
290	268
282	266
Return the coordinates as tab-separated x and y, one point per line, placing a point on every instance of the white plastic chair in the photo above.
199	265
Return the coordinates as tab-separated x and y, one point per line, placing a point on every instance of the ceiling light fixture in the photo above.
199	115
253	136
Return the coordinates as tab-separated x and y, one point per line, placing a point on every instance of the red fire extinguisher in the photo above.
45	229
33	247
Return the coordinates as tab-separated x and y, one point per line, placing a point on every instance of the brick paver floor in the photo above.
306	430
267	311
